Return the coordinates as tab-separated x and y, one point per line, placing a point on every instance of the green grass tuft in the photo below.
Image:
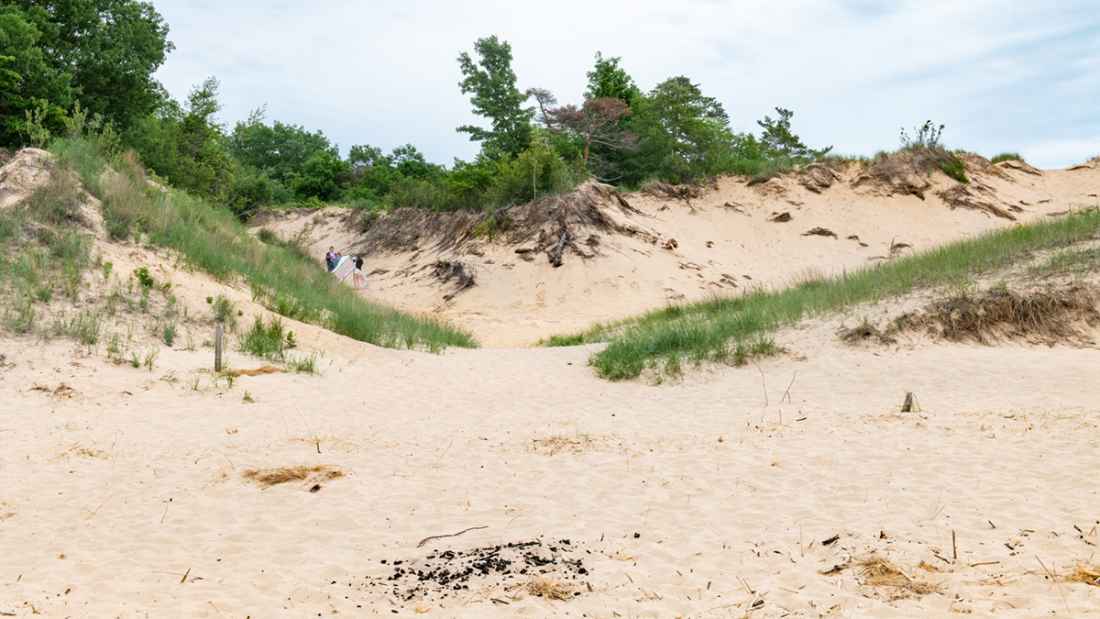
1007	157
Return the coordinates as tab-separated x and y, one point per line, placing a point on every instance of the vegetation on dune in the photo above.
1006	157
717	330
281	277
42	255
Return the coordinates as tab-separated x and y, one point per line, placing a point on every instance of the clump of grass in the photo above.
144	278
58	202
305	364
1007	157
265	340
224	311
953	166
20	317
84	328
213	240
168	334
704	331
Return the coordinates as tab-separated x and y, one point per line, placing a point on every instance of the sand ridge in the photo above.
731	238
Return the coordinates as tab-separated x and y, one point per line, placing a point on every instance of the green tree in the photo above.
28	83
682	133
279	150
778	140
186	145
608	79
492	83
109	48
321	176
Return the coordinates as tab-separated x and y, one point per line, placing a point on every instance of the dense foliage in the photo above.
93	60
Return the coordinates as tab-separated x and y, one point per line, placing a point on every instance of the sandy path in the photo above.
730	497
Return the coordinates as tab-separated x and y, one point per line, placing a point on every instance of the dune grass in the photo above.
735	329
998	158
211	239
41	256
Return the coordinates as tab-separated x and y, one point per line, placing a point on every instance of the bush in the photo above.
143	277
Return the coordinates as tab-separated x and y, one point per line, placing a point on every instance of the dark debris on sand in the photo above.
502	567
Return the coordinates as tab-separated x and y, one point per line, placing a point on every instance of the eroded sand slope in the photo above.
662	250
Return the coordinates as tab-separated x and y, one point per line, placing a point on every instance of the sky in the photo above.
1021	76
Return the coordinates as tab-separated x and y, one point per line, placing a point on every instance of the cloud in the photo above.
384	72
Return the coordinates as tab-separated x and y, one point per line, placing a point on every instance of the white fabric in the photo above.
344	268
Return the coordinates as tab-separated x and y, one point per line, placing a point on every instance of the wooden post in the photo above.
219	329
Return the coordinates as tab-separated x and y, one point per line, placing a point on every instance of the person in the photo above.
357	278
330	259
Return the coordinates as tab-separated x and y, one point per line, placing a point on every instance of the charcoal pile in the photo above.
507	570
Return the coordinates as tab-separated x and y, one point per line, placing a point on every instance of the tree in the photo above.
186	145
280	150
778	141
492	83
28	84
321	176
596	122
608	79
682	133
109	48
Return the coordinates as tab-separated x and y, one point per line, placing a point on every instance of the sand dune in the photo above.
791	488
725	242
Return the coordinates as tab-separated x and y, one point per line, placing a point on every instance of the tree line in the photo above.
61	59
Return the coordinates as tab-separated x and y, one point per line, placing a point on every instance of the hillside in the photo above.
628	253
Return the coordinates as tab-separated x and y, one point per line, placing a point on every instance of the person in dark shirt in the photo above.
330	259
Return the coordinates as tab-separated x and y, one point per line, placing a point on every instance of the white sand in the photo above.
124	495
730	490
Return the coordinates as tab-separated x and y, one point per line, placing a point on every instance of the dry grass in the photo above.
61	392
1049	316
81	451
267	478
1088	574
549	589
553	445
864	333
878	572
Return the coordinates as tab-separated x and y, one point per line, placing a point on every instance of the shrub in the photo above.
143	277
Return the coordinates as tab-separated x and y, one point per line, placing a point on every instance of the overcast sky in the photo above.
1002	75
